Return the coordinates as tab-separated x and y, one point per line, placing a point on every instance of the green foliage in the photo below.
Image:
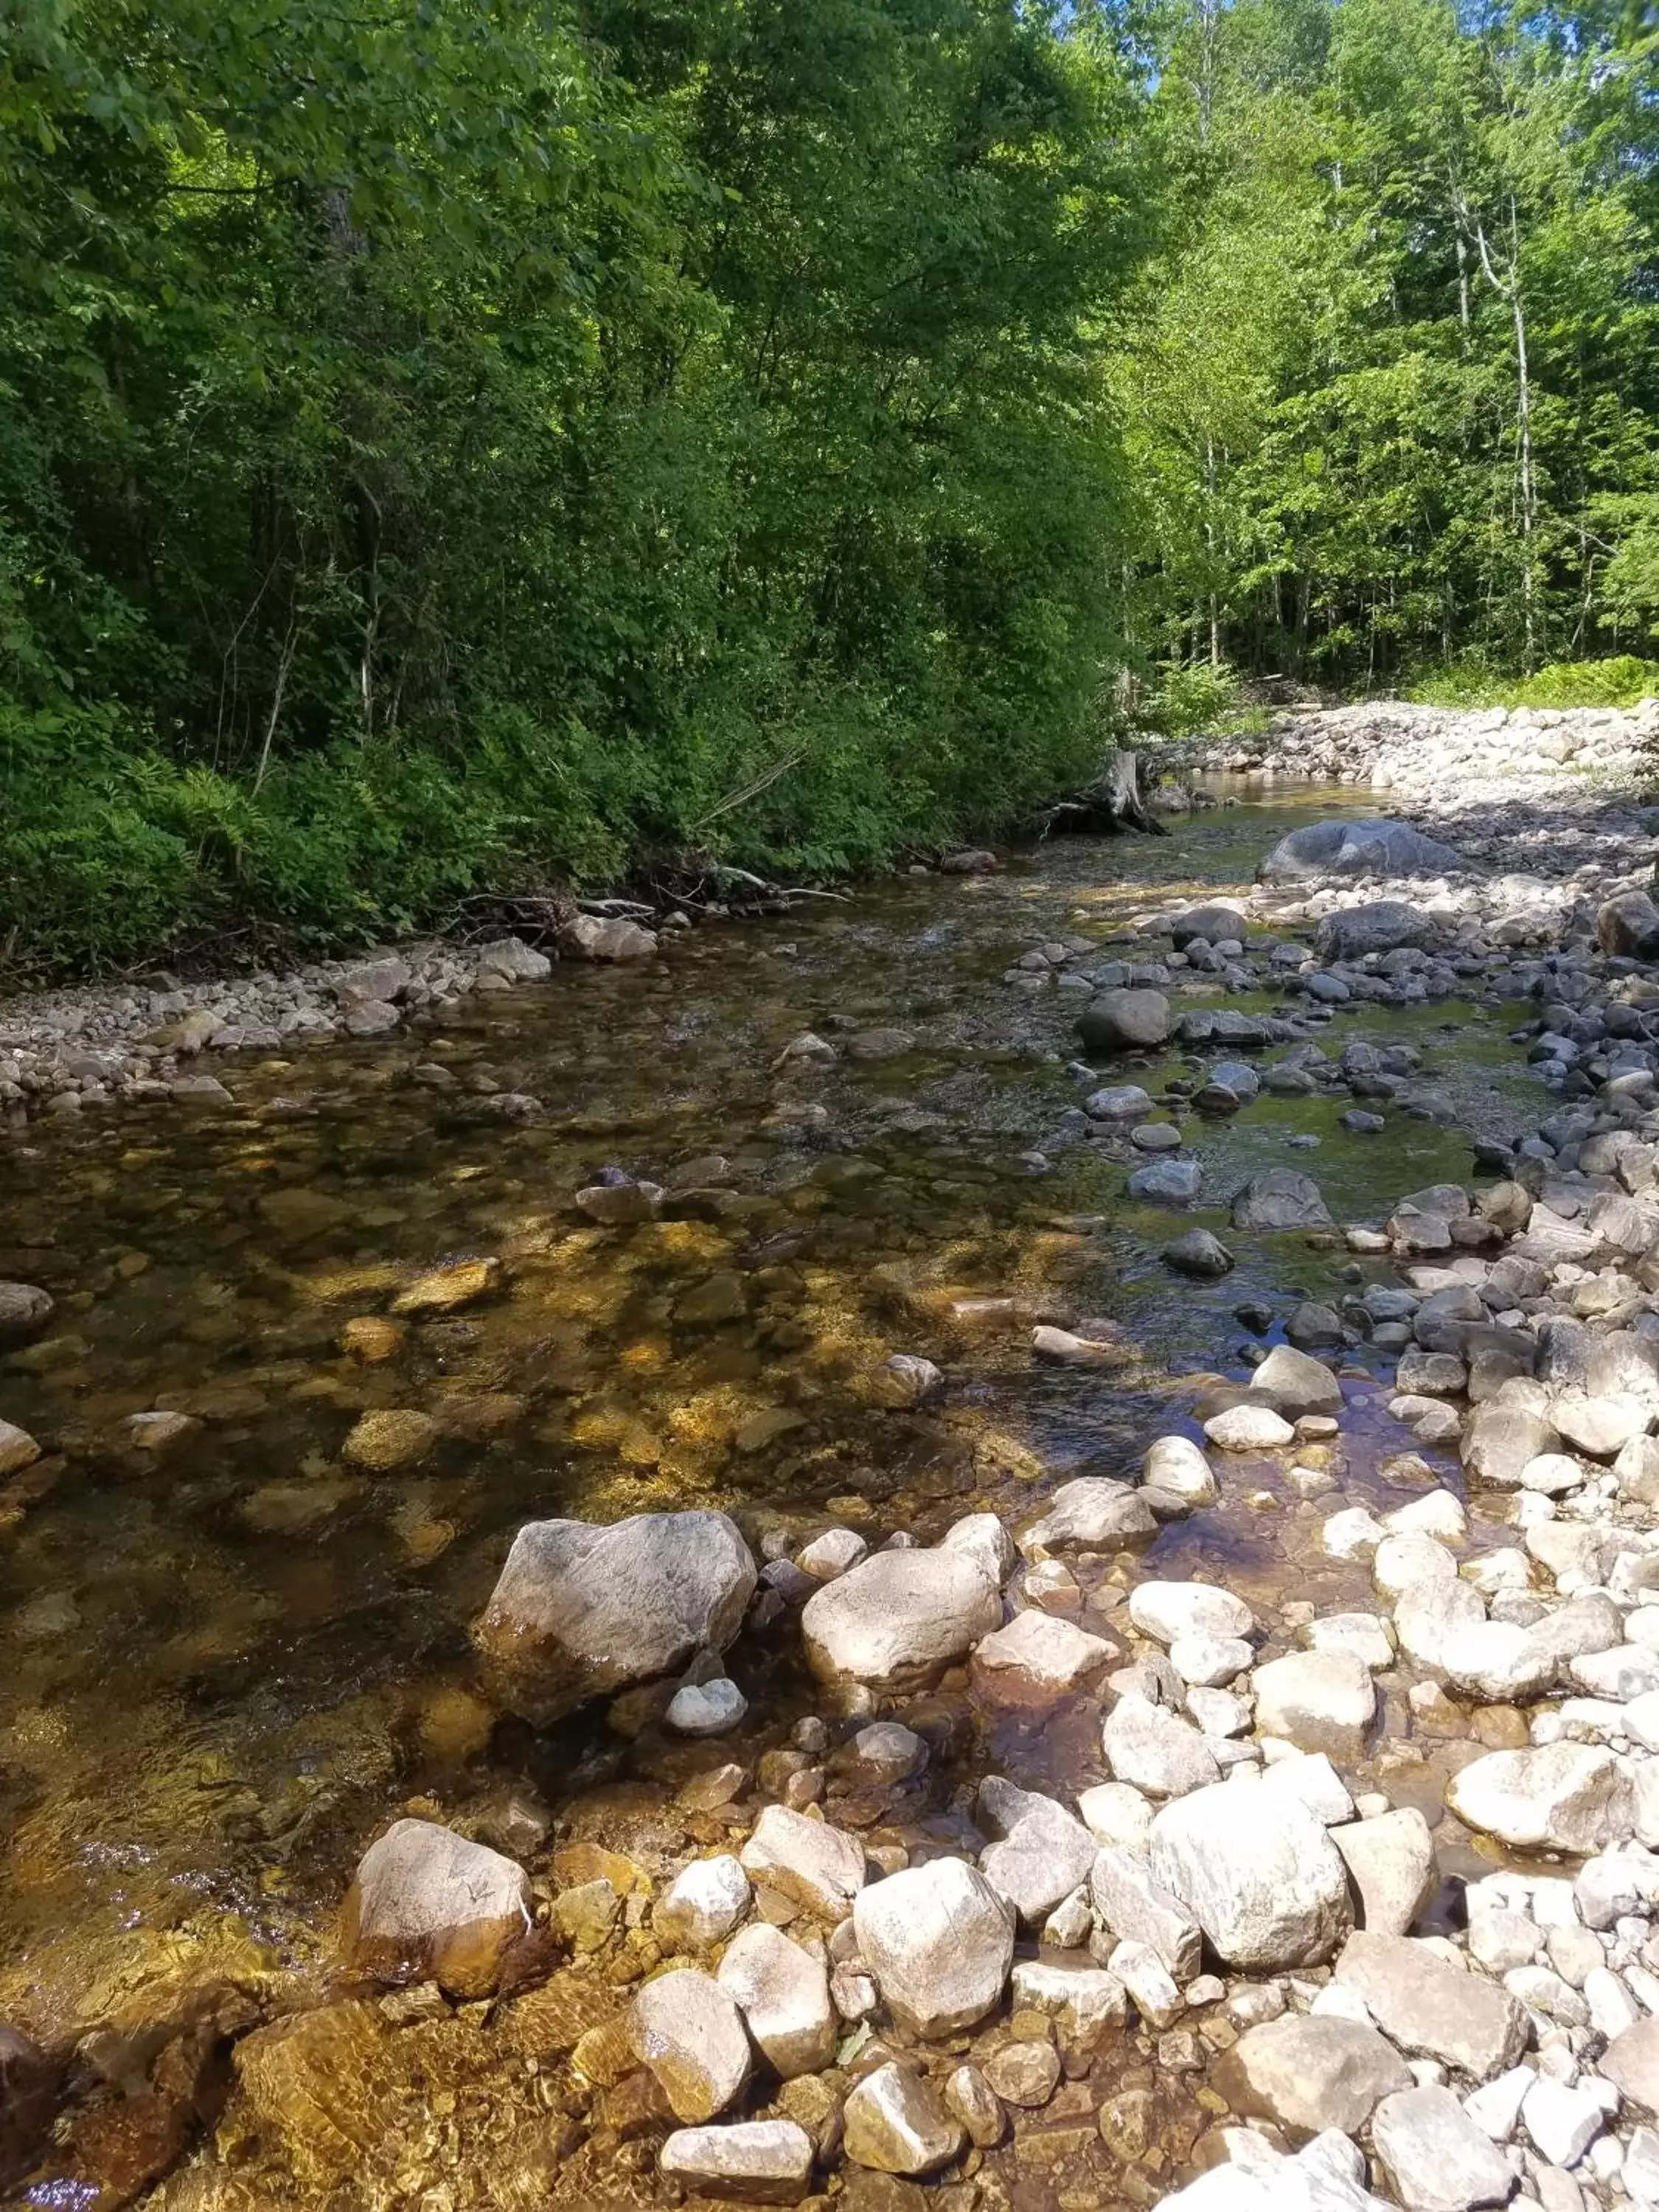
1620	681
1186	697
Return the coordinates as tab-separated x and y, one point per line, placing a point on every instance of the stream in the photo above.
225	1661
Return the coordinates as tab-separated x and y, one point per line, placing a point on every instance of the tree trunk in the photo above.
1113	802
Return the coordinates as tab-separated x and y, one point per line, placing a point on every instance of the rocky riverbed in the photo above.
997	1552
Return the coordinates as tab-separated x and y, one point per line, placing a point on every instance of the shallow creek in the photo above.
223	1665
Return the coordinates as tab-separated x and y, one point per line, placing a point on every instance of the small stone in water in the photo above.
707	1708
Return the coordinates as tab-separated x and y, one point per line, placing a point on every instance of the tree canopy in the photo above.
445	441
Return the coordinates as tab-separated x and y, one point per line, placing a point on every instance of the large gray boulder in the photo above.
1258	1872
1383	926
900	1616
1297	1382
1555	1797
580	1610
1125	1021
1379	848
1215	923
1629	925
1279	1198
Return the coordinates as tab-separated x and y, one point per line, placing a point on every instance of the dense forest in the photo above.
447	442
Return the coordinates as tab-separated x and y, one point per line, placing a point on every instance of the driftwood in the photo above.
1112	802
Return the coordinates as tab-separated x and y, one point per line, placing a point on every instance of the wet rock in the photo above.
897	2122
976	2105
1166	1183
1559	1796
1043	1852
25	1310
1122	1102
1176	1467
1391	1861
688	2029
1199	1252
443	1289
607	938
1247	1428
427	1906
18	1449
938	1939
29	2086
1215	922
1433	2010
704	1903
1091	1509
1037	1660
700	1709
1310	2073
749	2161
1082	2001
581	1610
1375	847
393	1438
1317	1700
320	2083
1279	1198
783	1994
899	1616
621	1204
1436	2158
1297	1383
1257	1871
908	1380
818	1866
1025	2074
1125	1021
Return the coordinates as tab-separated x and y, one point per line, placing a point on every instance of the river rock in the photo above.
1166	1183
1043	1852
18	1449
899	1616
1431	2008
1132	1905
427	1904
1391	1861
1124	1021
1501	1441
1310	2074
1037	1660
819	1866
1436	2158
1379	926
1155	1750
1082	2001
894	2122
704	1902
1246	1428
1629	925
1298	1383
1279	1198
687	2029
1257	1871
1377	847
1557	1796
1215	922
1176	1467
940	1941
1166	1612
749	2161
1199	1252
783	1994
1317	1700
25	1310
1093	1509
580	1610
1631	2063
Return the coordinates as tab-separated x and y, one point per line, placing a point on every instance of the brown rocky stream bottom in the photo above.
232	1651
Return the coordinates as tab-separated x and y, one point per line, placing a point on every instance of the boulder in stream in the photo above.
898	1616
427	1906
1377	847
1279	1198
580	1611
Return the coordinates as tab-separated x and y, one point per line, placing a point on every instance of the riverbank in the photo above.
1123	1639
